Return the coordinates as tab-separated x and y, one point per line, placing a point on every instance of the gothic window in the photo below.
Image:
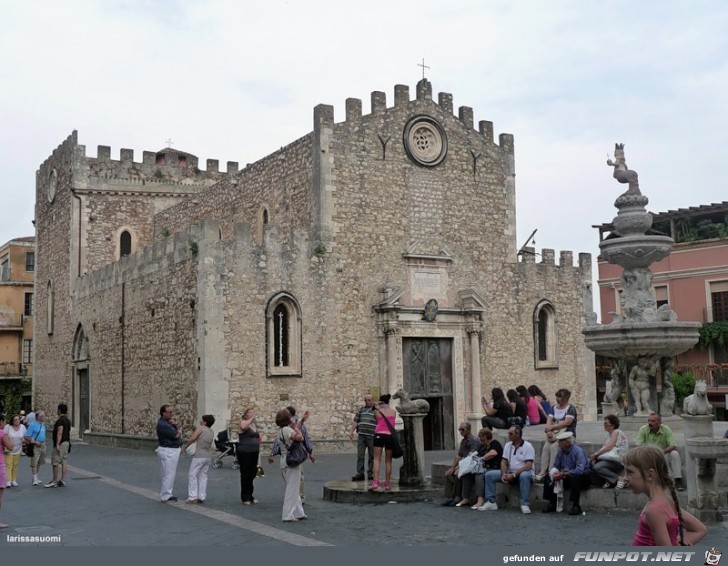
125	244
545	337
50	305
283	336
80	346
263	219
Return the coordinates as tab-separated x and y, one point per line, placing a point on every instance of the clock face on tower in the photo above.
52	185
425	141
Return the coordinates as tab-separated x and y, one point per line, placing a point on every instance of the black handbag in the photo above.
295	453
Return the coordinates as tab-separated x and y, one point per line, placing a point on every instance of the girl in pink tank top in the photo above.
662	522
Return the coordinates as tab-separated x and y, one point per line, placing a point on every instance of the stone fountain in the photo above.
642	339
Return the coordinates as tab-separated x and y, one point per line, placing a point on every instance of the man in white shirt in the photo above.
516	467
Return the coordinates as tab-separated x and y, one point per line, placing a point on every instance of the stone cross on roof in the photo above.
423	67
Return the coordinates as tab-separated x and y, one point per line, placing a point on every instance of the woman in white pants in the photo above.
292	506
197	477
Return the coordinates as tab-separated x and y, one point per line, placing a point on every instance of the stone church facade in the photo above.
371	254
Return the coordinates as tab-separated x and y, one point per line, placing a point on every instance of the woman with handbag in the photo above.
291	440
197	476
607	461
383	440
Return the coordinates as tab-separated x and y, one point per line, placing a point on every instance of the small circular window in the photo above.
52	185
425	141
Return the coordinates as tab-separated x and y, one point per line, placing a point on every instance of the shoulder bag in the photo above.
295	453
397	451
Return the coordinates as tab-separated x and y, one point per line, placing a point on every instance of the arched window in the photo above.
125	243
50	308
545	336
283	336
263	220
80	346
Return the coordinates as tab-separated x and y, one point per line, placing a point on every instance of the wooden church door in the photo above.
427	364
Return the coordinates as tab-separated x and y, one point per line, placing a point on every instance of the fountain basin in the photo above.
636	251
635	339
707	448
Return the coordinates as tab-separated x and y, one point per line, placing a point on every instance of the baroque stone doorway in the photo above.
428	374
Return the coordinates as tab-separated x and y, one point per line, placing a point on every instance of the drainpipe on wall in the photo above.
122	321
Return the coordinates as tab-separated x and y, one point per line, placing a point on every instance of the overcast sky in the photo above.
235	80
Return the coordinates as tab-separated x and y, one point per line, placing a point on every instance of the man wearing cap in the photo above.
572	468
453	484
660	435
516	467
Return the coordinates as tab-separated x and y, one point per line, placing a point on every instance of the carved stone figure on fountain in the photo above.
622	173
613	389
667	398
638	299
697	403
640	378
410	407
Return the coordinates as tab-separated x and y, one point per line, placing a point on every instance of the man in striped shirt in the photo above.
572	467
364	423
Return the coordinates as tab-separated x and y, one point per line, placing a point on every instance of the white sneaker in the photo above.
9	484
37	482
525	509
15	484
489	506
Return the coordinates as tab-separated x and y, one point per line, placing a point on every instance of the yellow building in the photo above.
17	274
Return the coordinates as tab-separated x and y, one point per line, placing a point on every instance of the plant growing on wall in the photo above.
13	399
194	249
714	334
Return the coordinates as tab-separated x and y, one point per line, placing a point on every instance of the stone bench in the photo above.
508	496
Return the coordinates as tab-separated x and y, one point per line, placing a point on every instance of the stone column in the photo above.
412	472
392	338
475	392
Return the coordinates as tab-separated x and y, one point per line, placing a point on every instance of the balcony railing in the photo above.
11	322
715	375
9	368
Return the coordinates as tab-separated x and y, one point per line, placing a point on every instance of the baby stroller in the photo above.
226	448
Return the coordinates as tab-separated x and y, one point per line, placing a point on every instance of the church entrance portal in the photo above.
427	365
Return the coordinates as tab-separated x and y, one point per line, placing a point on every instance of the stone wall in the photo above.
331	219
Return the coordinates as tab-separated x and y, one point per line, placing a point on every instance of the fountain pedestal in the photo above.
412	472
702	454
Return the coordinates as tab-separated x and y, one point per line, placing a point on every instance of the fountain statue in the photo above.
642	338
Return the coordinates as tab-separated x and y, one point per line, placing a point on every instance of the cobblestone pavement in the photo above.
111	498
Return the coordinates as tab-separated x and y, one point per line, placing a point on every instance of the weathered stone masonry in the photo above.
344	221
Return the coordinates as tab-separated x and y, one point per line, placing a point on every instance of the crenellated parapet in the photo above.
166	165
378	105
548	257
